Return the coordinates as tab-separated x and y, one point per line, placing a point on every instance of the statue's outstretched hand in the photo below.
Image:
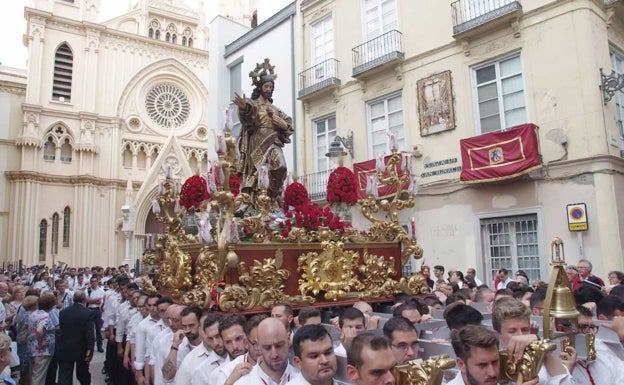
240	101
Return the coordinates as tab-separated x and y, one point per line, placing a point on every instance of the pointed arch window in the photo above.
157	35
183	40
66	151
43	238
168	37
66	223
55	234
49	149
150	34
174	38
190	44
63	69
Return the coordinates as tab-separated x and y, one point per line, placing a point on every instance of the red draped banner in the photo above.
500	155
362	169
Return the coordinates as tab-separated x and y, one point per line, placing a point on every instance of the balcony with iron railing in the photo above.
378	52
316	184
476	16
323	76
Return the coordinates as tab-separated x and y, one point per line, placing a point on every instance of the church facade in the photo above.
105	110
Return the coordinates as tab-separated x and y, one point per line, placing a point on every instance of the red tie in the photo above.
591	378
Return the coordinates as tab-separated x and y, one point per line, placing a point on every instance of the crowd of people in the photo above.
55	320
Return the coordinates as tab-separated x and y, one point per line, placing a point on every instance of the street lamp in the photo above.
336	150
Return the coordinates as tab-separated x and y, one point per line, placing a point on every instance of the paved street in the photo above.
97	378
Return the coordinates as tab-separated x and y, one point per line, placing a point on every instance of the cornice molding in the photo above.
70	180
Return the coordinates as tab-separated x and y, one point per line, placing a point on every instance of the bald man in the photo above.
170	346
274	368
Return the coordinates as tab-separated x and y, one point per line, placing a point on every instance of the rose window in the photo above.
167	105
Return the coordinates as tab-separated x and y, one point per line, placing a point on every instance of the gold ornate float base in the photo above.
320	274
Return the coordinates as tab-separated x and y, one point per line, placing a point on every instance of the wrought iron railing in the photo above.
471	13
316	184
384	48
318	77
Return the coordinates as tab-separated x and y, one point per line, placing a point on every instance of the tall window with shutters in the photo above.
55	233
63	72
43	239
617	63
66	226
383	115
324	134
499	93
322	44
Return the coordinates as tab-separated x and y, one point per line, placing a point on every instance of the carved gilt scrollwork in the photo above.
419	372
332	271
377	273
532	360
261	286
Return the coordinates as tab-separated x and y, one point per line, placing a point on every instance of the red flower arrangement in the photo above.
295	195
341	186
194	192
310	217
235	184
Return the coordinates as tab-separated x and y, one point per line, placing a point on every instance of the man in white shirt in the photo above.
314	356
170	347
284	313
232	332
217	357
162	305
125	311
240	366
370	361
607	367
274	368
504	279
477	357
95	296
133	324
511	319
351	321
141	341
190	325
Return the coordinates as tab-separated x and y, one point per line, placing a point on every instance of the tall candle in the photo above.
393	141
405	162
221	146
379	163
412	189
155	206
413	225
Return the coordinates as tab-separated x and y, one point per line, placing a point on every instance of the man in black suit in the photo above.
77	324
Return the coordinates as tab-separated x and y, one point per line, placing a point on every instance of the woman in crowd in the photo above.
616	283
5	359
29	305
41	339
41	281
19	292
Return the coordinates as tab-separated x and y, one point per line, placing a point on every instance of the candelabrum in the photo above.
175	264
395	174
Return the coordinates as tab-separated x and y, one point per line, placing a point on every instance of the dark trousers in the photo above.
98	326
124	376
111	360
66	372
